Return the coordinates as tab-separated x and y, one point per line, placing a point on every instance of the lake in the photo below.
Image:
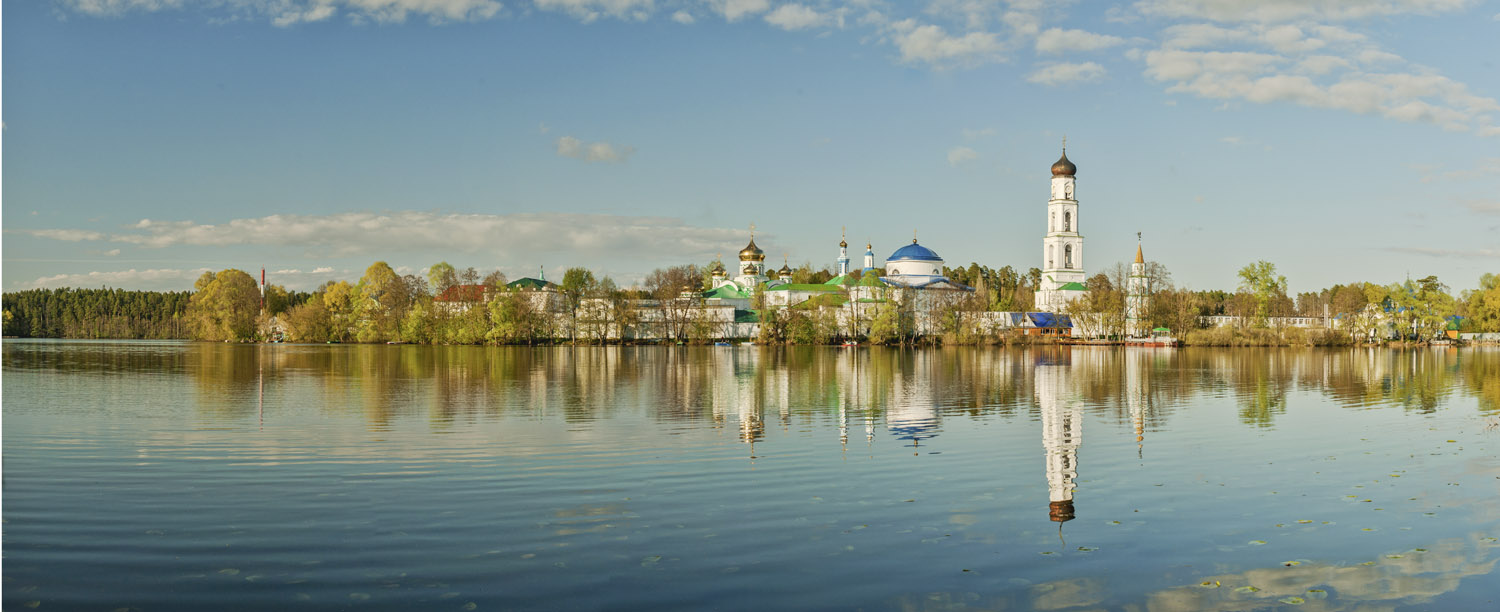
186	476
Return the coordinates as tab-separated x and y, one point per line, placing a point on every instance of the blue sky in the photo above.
147	140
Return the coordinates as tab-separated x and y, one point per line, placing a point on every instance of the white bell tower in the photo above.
1062	247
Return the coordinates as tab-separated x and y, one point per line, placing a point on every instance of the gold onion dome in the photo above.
785	270
843	244
752	252
1063	167
716	266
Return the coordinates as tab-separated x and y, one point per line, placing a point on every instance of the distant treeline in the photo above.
96	313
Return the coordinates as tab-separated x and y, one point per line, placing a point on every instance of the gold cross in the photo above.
752	231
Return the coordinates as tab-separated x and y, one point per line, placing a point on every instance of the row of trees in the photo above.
386	306
95	313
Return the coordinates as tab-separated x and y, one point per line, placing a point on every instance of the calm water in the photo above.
173	476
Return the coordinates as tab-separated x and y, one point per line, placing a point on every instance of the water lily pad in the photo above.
1256	542
1394	556
1087	548
1247	589
229	571
1113	523
1292	600
1291	563
650	561
470	606
1303	521
1209	584
1317	594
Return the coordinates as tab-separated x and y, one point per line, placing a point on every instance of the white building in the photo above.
1062	247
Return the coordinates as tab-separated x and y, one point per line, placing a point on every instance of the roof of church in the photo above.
529	283
1063	167
726	292
1138	257
1073	287
913	252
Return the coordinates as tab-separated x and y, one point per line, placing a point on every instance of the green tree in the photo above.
441	276
1261	281
577	284
224	306
1484	304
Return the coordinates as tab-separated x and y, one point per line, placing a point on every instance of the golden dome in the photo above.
752	252
1063	167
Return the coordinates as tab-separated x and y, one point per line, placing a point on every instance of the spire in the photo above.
844	237
541	273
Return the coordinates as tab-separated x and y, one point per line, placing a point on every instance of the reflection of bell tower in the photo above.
1135	396
1062	434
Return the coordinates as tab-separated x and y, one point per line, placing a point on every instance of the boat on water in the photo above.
722	344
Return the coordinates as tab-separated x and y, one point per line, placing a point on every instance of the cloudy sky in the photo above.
147	140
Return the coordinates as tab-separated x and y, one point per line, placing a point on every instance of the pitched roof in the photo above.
803	287
726	292
461	293
531	284
1073	287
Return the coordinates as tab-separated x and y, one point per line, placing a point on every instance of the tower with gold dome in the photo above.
752	270
1062	246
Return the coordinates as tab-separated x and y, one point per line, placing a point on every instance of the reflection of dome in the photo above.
1061	511
914	252
752	252
1063	167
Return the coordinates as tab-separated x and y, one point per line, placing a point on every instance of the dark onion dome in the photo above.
785	270
716	266
752	252
1063	167
914	252
843	244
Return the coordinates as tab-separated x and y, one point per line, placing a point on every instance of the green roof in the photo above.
871	301
870	280
832	299
1073	287
1161	329
529	283
837	280
726	292
746	316
803	287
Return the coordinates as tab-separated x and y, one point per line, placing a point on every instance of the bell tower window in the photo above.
1067	221
1068	256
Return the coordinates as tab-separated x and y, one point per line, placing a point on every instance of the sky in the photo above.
146	141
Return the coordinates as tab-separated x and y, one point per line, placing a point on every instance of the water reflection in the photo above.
1062	429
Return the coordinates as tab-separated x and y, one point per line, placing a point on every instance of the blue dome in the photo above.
914	252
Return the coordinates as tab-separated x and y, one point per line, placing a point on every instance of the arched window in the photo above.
1068	256
1067	221
1051	253
1052	222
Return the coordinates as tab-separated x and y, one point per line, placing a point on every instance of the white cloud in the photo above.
588	11
568	146
1449	253
683	17
112	253
1278	11
1056	41
932	45
1488	207
178	279
795	17
735	10
1060	73
284	13
959	155
386	234
65	235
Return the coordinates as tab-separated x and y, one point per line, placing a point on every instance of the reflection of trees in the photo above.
452	384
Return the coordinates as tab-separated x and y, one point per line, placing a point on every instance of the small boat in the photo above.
850	344
722	344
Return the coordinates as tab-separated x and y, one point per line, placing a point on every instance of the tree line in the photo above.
384	306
